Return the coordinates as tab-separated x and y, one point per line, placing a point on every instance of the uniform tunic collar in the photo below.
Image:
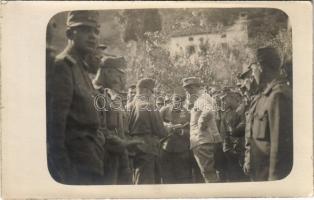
74	57
271	85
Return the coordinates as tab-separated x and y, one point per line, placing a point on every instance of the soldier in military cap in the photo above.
205	140
250	91
175	149
191	85
246	86
110	79
146	125
269	131
232	131
111	73
75	146
249	86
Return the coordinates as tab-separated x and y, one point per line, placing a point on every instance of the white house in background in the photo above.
191	42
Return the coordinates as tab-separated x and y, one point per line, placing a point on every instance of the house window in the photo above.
190	50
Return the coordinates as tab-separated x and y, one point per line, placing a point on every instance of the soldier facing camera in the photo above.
75	147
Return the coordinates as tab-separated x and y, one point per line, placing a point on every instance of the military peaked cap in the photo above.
269	56
83	18
116	63
147	83
191	81
246	72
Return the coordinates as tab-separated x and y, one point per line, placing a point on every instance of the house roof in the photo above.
192	31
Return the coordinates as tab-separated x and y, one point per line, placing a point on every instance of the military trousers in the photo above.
196	172
176	167
146	168
87	157
205	157
117	170
235	171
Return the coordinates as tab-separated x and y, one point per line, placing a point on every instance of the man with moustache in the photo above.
75	145
205	140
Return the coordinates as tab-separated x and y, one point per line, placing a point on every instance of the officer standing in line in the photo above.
145	124
248	89
233	135
130	97
270	153
175	148
205	140
111	79
75	145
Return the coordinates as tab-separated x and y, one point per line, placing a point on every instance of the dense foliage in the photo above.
142	36
216	65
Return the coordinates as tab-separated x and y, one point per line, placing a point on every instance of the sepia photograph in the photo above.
169	96
156	100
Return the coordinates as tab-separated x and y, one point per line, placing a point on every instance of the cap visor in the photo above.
245	74
91	24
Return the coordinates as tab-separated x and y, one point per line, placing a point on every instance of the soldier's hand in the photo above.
246	169
133	142
124	142
177	126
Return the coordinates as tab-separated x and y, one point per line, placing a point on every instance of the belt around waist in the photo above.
77	132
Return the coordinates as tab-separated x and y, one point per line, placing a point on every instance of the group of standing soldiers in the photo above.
93	137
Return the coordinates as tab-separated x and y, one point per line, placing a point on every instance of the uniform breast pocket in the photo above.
260	127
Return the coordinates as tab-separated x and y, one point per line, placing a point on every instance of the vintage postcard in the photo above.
156	99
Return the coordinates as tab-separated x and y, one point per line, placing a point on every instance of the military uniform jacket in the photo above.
114	112
229	125
74	120
203	127
241	110
180	140
145	123
248	125
113	122
270	133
